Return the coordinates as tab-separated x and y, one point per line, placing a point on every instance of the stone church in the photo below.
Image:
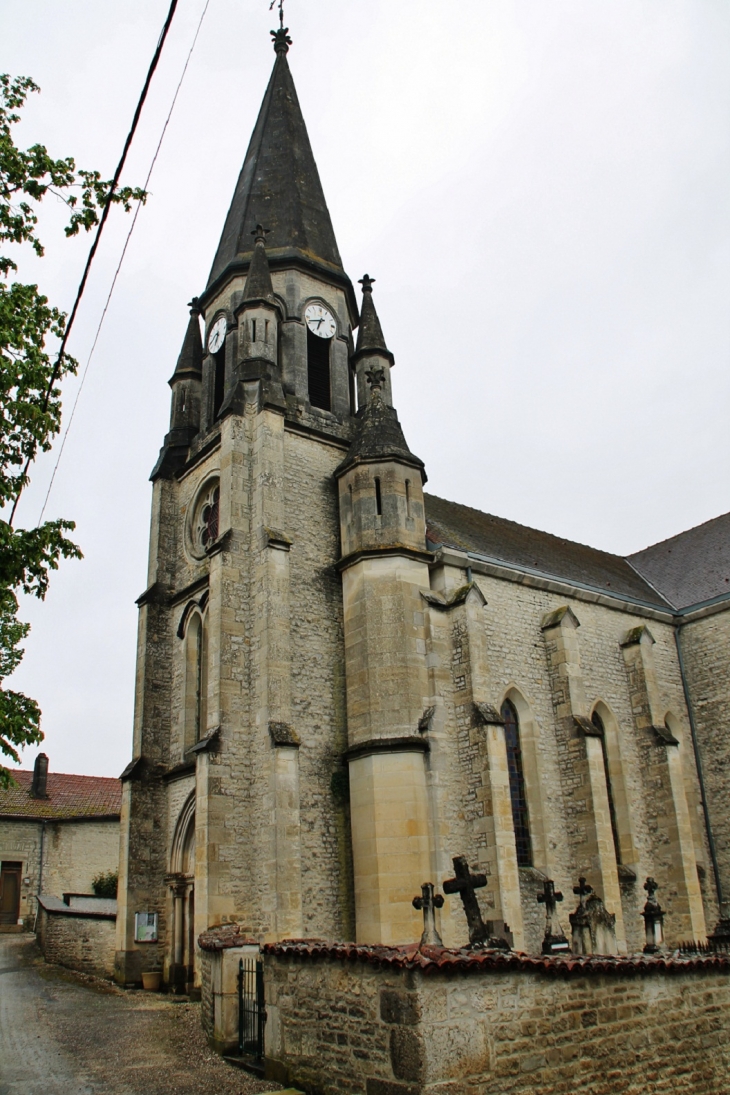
344	682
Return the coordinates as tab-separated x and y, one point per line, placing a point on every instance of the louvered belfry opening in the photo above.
318	371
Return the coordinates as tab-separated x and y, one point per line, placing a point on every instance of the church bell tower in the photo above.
277	681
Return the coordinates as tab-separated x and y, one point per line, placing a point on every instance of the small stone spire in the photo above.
371	350
190	361
370	333
258	281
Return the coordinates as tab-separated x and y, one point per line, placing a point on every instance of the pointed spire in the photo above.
258	281
279	185
370	338
370	333
190	361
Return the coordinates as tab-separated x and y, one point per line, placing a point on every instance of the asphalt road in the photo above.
63	1033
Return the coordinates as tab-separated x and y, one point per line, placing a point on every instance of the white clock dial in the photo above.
320	321
217	335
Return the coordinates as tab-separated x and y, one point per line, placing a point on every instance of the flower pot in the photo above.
152	981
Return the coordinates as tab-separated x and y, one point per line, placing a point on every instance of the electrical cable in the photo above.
92	251
119	264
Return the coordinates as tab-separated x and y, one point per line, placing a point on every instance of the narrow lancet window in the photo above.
318	371
378	498
408	498
598	723
517	792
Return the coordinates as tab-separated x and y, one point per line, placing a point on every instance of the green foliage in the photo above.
30	395
105	884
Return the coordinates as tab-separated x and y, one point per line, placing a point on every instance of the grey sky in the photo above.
540	188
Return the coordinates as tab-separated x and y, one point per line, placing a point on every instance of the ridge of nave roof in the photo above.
279	186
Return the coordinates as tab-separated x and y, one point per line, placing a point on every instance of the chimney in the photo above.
40	777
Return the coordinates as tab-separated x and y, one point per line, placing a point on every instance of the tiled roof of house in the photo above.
453	525
691	567
68	797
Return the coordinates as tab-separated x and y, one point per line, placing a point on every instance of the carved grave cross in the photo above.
465	883
581	891
554	939
428	902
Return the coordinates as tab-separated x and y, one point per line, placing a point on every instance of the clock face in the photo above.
217	335
320	321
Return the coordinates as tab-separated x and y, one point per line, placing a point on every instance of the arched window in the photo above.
598	723
318	371
520	816
196	679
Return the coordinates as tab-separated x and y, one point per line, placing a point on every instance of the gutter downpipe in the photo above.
724	923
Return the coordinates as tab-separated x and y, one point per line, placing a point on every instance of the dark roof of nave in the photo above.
279	187
69	797
457	526
691	567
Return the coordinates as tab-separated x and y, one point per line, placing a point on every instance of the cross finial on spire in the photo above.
194	306
367	283
260	233
282	41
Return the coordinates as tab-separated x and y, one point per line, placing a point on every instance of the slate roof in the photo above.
279	187
691	567
68	797
467	529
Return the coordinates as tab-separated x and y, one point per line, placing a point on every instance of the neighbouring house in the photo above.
57	832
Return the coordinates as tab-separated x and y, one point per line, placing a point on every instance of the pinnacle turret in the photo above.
258	281
370	333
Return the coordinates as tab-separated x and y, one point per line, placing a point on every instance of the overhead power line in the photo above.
100	228
119	264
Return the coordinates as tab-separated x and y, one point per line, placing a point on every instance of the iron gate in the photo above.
251	1008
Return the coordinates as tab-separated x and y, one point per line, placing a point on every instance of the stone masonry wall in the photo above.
518	669
367	1023
706	652
81	943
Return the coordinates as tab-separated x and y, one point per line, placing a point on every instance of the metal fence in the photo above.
251	1008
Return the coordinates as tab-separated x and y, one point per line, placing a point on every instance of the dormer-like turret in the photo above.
380	479
257	371
185	404
371	349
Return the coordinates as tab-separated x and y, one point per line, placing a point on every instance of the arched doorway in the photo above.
181	879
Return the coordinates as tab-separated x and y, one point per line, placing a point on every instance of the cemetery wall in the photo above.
404	1022
81	941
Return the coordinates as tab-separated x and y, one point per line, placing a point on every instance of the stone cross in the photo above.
581	891
554	939
465	883
653	915
367	283
428	902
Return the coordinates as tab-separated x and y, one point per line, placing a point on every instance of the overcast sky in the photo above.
540	188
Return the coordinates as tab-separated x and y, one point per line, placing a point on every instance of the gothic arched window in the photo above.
598	723
318	371
520	816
